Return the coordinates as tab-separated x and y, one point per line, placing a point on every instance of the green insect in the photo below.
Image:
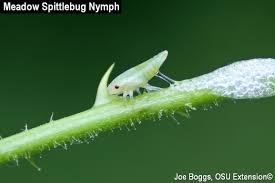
138	77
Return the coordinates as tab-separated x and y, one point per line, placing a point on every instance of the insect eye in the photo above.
116	87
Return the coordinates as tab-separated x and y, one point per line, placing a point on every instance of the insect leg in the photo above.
138	91
128	93
131	93
125	94
151	88
165	78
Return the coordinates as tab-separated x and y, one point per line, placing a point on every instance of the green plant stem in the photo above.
109	112
114	114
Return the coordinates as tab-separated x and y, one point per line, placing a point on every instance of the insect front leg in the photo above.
125	94
128	93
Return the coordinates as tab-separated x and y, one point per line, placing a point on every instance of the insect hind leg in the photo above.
165	78
150	88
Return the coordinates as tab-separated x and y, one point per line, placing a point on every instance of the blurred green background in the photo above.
53	63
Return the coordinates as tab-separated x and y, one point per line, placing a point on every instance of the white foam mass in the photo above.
245	79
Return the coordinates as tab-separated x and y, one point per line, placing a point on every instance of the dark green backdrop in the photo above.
53	63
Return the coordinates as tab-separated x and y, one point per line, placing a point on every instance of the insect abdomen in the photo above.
151	71
151	67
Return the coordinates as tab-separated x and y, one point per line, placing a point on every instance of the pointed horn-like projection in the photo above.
103	96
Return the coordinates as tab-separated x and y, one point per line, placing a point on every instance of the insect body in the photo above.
138	77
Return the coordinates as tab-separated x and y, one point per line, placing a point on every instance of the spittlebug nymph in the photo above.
138	77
